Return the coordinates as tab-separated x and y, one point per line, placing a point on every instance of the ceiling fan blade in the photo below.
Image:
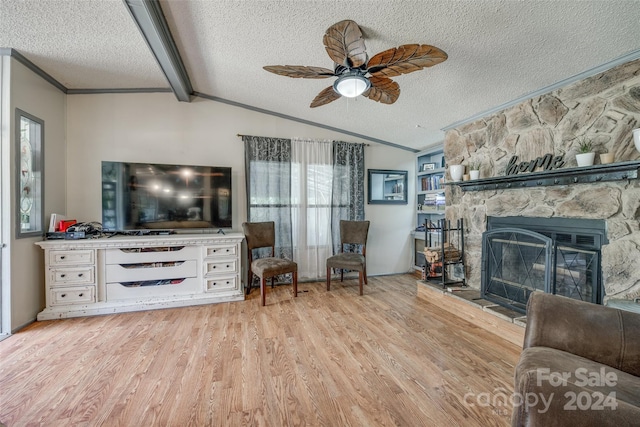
383	90
326	96
300	71
344	44
405	59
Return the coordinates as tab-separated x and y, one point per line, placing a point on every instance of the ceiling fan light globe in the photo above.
351	85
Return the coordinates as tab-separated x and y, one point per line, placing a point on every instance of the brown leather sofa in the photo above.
580	365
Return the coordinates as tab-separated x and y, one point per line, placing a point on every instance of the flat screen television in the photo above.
138	196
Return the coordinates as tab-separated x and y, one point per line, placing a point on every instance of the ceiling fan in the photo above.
357	74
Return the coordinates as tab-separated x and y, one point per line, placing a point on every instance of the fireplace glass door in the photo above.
575	273
517	262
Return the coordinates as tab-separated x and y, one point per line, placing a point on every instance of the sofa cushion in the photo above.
558	388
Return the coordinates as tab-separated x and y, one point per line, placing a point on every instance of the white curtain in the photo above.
311	184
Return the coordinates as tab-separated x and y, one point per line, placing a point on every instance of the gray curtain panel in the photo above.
348	187
268	179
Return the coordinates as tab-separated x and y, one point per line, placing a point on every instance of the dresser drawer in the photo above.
71	276
146	290
221	266
71	257
221	284
151	271
74	295
219	251
151	254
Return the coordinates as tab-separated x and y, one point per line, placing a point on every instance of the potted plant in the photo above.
474	169
585	154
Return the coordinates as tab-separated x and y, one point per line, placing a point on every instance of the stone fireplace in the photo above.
605	108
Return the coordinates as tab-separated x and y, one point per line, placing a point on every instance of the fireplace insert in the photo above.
522	255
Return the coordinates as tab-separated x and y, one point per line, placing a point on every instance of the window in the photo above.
305	186
30	179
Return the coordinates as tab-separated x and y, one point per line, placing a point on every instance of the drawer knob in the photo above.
62	257
80	274
63	295
80	294
214	266
63	275
227	265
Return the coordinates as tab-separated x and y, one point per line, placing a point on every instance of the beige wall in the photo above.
35	96
156	128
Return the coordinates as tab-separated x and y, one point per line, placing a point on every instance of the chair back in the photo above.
259	234
354	232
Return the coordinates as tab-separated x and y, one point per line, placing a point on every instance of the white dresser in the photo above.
119	274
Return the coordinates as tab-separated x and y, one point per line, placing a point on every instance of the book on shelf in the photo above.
432	182
434	201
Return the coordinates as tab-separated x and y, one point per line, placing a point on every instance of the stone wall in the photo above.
604	108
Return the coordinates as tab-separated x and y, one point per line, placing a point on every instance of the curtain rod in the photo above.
363	143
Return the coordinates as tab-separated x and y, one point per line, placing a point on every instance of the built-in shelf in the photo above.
579	175
429	197
431	171
439	191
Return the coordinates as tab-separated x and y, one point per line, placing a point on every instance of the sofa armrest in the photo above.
602	334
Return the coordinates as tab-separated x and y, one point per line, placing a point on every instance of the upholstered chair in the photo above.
263	235
353	233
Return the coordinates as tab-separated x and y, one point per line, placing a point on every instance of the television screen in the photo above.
156	196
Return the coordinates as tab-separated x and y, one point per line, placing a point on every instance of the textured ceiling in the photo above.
498	51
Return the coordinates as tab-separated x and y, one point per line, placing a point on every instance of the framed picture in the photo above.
428	167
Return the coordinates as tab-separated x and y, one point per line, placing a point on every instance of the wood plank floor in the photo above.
325	358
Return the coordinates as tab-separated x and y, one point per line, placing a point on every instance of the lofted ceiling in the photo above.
499	51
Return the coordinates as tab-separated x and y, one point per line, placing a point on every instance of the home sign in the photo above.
546	162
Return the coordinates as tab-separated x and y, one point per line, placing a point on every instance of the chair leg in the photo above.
273	281
342	274
328	278
364	270
249	281
360	278
295	284
263	285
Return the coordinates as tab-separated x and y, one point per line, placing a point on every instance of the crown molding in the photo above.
303	121
33	67
127	90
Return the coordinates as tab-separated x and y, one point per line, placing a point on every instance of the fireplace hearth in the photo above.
522	255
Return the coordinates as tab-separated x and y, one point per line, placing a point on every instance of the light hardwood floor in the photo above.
326	358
